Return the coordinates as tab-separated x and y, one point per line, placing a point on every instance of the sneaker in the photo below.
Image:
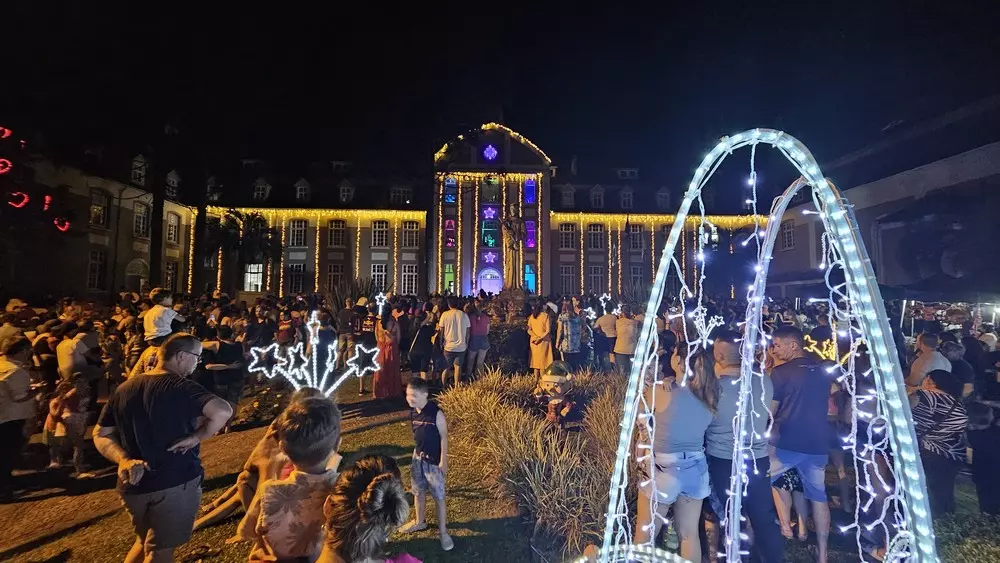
413	526
84	475
446	542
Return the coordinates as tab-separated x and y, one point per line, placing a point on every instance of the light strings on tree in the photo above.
858	313
299	364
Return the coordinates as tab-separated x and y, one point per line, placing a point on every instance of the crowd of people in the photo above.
173	374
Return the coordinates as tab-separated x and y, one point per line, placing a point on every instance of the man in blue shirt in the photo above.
799	435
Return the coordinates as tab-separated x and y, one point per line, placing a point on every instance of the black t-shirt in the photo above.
151	412
229	353
426	437
802	389
345	321
963	371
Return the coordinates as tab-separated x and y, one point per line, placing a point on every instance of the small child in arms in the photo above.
290	513
430	459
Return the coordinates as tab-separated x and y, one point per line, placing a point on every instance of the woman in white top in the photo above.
627	329
677	472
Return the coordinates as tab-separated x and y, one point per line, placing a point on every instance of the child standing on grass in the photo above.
430	459
54	431
290	514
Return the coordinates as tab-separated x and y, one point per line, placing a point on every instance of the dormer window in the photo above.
663	198
597	197
626	198
568	194
261	189
346	193
400	195
628	173
173	182
139	170
302	190
213	191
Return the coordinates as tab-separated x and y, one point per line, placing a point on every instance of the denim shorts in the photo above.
684	473
454	358
427	477
811	468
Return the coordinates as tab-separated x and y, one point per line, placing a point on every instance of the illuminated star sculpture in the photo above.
489	213
380	301
490	257
299	364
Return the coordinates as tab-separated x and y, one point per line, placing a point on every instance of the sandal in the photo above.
412	527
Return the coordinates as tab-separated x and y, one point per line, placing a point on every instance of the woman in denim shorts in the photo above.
676	473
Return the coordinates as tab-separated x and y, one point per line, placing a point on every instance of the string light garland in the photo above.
582	254
857	308
722	221
539	229
475	232
316	261
357	250
192	216
520	213
611	262
440	233
619	258
218	271
396	266
458	243
652	249
443	151
281	263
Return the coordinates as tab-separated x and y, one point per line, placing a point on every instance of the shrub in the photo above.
508	346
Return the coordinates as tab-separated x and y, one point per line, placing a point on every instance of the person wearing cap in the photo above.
17	407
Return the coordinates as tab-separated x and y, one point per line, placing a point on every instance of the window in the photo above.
99	203
595	237
635	238
788	234
408	280
530	191
380	234
170	275
260	189
529	234
597	198
567	196
346	193
140	226
378	276
529	278
490	232
626	196
400	195
173	228
450	190
139	171
490	191
302	190
628	173
172	184
449	277
253	277
597	282
449	233
663	199
210	261
635	275
567	236
567	279
97	270
411	234
297	232
334	275
213	191
337	228
296	278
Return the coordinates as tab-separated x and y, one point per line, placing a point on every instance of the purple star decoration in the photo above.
489	213
490	257
490	153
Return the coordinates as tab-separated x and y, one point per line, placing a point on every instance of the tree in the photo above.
243	238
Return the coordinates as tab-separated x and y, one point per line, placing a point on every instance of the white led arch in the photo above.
839	221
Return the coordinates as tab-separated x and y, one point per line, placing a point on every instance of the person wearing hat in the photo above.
552	391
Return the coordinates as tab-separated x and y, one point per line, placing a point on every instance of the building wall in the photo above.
67	271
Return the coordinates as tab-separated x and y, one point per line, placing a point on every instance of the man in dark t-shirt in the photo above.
151	427
799	436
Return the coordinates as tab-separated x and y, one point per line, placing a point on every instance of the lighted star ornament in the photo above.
299	365
490	257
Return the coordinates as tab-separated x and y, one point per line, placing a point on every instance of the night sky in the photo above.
627	86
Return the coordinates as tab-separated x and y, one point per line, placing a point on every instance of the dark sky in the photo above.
617	86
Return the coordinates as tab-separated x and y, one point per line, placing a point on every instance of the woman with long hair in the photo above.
677	472
940	420
388	380
479	341
367	504
539	330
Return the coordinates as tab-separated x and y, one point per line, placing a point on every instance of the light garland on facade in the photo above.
316	261
357	250
652	250
660	220
443	151
520	213
320	216
856	304
281	264
268	277
619	259
475	232
539	229
611	262
458	242
440	234
397	266
191	233
218	271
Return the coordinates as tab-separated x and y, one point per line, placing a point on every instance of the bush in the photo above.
560	480
508	346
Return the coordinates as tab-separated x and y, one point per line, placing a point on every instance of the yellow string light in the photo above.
395	255
497	127
684	257
475	233
357	248
722	221
193	216
326	215
694	257
619	258
652	252
538	234
218	271
732	250
458	250
520	213
582	254
316	261
440	233
281	264
610	263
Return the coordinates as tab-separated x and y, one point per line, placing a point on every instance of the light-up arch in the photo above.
861	288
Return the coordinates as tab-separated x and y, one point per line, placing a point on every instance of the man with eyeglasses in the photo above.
152	427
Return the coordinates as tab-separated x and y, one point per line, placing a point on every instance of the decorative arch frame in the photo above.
839	220
492	126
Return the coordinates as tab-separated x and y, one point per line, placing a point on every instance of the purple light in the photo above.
529	191
490	153
490	257
489	213
529	234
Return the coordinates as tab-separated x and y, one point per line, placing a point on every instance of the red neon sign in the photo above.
4	132
5	166
19	204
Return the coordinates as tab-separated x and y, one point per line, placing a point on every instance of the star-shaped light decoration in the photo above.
591	314
490	152
490	257
363	362
380	301
489	213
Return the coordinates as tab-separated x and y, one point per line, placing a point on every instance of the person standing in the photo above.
226	366
939	421
568	336
627	329
17	407
346	320
151	428
455	327
604	338
388	381
928	359
541	344
479	339
720	439
799	435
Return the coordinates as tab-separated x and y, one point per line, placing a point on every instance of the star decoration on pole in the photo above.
380	301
